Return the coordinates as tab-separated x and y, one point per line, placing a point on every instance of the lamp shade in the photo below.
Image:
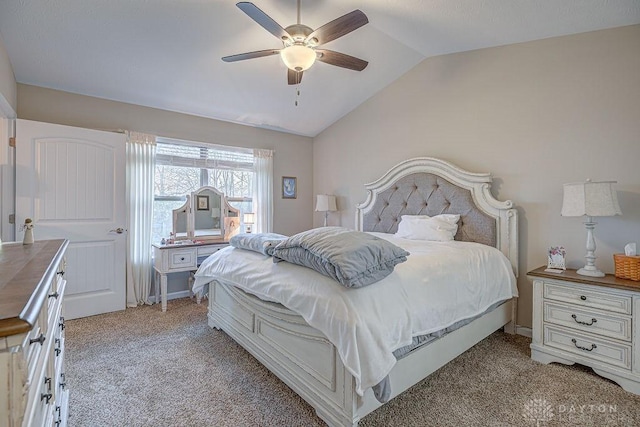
590	199
249	218
297	57
325	203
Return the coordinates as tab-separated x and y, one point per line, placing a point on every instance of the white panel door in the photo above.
71	182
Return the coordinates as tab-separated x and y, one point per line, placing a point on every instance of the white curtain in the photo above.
263	190
141	152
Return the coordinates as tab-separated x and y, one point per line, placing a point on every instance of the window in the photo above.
183	167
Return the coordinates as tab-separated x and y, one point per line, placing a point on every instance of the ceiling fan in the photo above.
300	43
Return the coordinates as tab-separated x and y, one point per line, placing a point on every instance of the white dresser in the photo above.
175	258
588	320
33	389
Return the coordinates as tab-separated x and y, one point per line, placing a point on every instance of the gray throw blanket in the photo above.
352	258
263	243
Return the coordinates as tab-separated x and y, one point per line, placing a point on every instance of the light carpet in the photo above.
142	367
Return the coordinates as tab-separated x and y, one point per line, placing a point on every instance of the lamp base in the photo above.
584	271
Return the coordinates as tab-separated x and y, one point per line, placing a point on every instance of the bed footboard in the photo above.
296	353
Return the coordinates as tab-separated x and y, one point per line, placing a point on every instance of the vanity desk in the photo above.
201	227
179	257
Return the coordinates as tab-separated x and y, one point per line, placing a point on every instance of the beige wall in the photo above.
7	84
293	154
536	115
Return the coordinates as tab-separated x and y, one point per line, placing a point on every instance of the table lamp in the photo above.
249	219
590	199
325	203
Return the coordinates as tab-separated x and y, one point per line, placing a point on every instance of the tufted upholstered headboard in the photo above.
428	186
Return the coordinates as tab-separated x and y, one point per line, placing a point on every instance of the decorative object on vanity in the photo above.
590	199
326	203
231	227
592	321
28	232
300	43
249	220
627	265
33	390
203	216
289	187
556	259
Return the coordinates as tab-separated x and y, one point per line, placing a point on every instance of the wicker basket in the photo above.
627	267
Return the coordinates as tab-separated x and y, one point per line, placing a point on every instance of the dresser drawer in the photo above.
593	321
209	249
588	346
182	259
35	343
588	298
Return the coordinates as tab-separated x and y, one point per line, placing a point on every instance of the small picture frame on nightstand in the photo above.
556	259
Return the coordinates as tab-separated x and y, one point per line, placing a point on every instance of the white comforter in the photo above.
440	284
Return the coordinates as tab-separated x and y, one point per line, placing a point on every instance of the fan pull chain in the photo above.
297	95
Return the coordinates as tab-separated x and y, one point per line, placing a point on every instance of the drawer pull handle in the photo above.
182	259
573	340
54	295
47	381
584	323
40	339
583	298
57	349
63	384
60	273
61	323
47	396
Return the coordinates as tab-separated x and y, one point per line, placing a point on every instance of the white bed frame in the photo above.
303	357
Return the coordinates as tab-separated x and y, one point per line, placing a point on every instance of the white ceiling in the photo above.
166	53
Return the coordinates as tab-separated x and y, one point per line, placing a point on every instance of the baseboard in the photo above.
524	331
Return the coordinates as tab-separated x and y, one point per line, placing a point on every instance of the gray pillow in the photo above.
352	258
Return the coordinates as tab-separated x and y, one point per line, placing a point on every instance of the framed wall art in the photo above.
202	203
556	259
289	187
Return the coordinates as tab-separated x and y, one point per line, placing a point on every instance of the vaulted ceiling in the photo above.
166	53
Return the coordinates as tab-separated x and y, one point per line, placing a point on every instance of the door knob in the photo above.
118	230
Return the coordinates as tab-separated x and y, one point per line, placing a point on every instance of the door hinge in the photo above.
12	218
12	142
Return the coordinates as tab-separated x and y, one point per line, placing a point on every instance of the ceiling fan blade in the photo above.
294	77
339	27
263	20
341	60
251	55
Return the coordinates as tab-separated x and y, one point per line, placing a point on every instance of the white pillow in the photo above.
440	228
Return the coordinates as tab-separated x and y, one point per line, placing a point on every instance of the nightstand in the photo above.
594	321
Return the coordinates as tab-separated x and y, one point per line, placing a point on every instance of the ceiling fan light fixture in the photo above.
298	57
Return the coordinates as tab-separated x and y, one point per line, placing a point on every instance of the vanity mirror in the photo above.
205	215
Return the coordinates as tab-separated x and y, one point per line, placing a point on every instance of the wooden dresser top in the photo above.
25	273
609	280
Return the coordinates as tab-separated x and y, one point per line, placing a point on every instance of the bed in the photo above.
310	361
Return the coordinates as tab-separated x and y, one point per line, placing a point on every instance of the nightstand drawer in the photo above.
588	298
596	322
591	347
182	258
